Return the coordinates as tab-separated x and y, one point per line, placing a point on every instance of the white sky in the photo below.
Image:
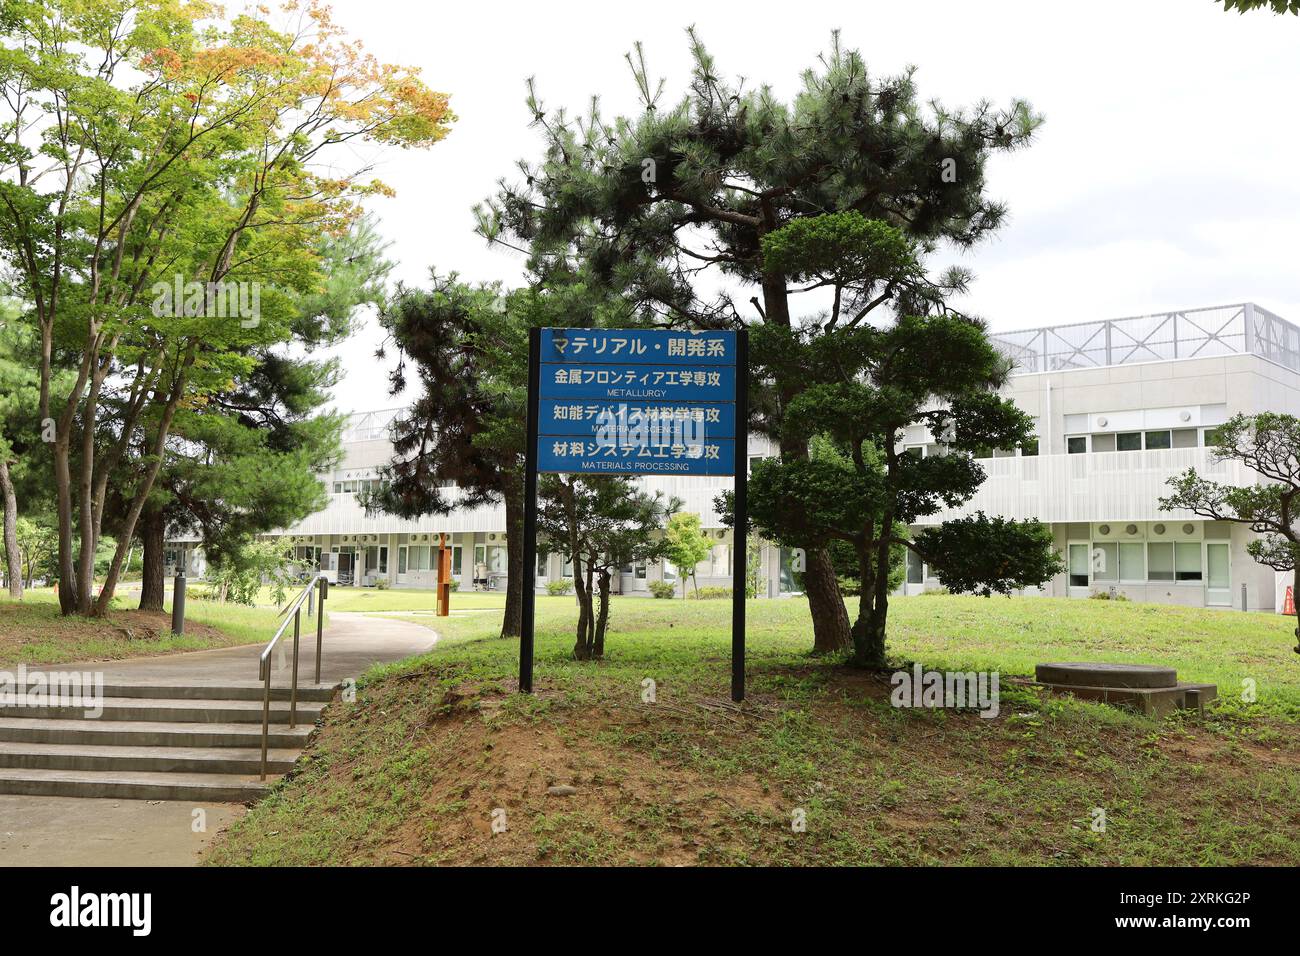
1166	176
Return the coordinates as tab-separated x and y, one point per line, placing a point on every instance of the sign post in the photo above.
637	402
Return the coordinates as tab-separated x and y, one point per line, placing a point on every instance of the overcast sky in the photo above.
1166	176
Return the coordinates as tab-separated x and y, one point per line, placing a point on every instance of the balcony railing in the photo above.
1244	329
1103	486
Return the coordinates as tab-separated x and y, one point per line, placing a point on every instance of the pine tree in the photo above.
663	205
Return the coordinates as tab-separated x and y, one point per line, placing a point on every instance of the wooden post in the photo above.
444	577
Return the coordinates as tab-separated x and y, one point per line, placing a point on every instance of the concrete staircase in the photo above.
156	741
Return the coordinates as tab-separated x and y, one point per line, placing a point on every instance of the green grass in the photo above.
407	599
33	632
413	771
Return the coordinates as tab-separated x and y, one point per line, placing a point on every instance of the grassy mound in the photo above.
437	750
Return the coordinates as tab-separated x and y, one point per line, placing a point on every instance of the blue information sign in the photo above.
617	347
621	421
560	453
637	401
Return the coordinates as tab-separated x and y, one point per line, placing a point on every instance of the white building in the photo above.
1121	406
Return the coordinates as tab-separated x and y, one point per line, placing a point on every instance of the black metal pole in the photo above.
178	604
740	547
529	596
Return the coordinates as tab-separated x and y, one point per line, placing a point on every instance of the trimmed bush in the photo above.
662	589
559	588
711	593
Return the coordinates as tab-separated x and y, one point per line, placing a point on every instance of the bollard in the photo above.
178	604
1243	597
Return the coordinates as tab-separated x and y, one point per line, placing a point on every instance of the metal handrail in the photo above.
264	661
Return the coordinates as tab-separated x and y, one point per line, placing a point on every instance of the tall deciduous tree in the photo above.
1269	444
244	462
672	203
1277	6
146	145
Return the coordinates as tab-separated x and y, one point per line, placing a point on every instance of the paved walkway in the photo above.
66	831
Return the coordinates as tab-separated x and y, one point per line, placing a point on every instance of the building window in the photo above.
721	563
1160	561
786	580
1105	562
541	565
1132	562
1186	438
1076	445
915	568
497	559
1187	561
1030	448
1078	565
1128	441
1218	564
1158	441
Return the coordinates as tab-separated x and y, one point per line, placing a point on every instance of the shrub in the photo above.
662	589
710	593
560	587
1106	596
381	584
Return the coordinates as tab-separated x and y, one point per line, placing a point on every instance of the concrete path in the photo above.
66	831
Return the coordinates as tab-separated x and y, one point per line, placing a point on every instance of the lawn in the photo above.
33	632
408	599
816	767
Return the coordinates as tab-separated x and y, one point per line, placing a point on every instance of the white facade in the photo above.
1121	406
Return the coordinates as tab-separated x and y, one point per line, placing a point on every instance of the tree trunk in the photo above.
518	576
830	618
63	496
1295	596
868	631
13	559
101	605
831	631
581	646
153	586
602	619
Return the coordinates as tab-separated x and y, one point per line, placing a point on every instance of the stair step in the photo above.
150	733
228	760
192	710
216	788
227	690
